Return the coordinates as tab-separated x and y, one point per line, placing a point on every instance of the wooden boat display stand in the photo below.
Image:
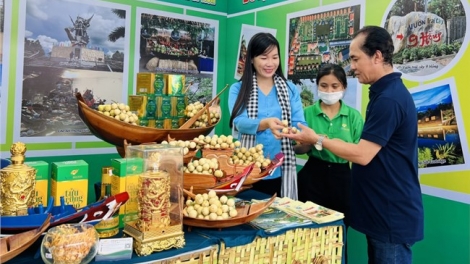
116	132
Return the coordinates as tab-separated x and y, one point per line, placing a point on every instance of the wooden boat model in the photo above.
246	213
115	132
12	246
63	213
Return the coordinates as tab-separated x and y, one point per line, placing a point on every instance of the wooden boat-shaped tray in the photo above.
229	184
114	131
256	174
246	213
14	245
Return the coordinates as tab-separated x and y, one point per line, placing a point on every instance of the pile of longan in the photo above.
209	206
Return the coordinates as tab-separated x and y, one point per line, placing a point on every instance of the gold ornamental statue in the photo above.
160	199
18	184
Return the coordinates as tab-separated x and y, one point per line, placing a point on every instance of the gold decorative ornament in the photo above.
18	184
159	225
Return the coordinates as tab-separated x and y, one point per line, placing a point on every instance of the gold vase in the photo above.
18	184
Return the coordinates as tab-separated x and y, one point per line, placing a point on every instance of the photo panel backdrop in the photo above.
430	36
319	36
442	141
67	47
179	44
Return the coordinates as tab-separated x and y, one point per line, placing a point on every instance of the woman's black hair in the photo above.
377	39
260	43
336	70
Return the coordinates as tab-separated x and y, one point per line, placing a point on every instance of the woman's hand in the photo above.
272	123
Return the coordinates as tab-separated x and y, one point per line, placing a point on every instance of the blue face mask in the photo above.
330	98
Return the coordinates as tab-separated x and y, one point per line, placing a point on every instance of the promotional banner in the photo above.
247	5
212	5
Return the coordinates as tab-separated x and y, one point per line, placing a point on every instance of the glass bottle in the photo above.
108	227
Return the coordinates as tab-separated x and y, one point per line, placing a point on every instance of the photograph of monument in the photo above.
81	50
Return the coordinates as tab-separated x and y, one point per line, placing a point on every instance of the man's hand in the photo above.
305	135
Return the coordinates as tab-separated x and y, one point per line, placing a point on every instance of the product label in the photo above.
151	107
159	84
75	193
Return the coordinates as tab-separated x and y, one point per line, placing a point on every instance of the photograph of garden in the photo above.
320	37
427	35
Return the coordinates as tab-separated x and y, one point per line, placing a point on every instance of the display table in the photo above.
242	244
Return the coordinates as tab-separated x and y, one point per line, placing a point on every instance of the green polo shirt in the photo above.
346	125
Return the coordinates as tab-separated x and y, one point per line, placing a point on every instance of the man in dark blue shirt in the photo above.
386	201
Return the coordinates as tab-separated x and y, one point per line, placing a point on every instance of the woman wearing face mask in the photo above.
325	178
258	102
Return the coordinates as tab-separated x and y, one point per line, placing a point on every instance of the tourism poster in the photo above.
318	36
442	143
173	44
68	47
321	35
427	36
247	32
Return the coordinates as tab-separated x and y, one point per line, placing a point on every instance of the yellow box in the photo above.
42	181
70	180
151	83
138	105
145	82
126	178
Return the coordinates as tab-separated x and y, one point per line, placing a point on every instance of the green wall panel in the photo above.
446	235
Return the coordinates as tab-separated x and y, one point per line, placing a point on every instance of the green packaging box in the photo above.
70	180
124	167
126	178
42	180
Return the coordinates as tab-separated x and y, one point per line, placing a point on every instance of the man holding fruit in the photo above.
386	202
